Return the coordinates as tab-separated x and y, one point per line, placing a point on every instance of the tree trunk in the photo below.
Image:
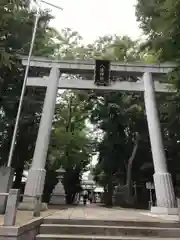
49	185
70	198
109	195
129	171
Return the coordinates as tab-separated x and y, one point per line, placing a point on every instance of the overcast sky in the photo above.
93	18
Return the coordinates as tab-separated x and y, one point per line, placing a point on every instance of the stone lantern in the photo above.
58	194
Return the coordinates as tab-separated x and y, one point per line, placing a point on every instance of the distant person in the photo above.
91	197
85	196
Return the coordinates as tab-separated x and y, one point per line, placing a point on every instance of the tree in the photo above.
160	22
111	113
71	145
121	117
152	52
18	15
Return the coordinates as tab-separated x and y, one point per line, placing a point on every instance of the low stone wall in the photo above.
27	231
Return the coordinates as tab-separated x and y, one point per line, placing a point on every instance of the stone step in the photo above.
54	220
91	237
109	230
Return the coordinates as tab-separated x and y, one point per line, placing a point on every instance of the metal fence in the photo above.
12	205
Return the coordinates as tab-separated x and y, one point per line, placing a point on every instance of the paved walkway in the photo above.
93	212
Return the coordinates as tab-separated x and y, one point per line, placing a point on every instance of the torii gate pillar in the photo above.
166	202
36	176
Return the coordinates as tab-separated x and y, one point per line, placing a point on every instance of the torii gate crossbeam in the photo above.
163	182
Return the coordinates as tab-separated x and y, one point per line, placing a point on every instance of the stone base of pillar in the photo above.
164	211
34	187
30	205
164	191
35	182
58	195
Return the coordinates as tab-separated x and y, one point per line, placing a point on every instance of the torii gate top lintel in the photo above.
89	65
79	67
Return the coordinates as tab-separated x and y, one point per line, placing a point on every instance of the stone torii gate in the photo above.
125	77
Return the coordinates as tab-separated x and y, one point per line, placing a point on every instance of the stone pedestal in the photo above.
38	176
166	202
6	181
31	190
164	189
11	208
58	194
164	211
28	204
